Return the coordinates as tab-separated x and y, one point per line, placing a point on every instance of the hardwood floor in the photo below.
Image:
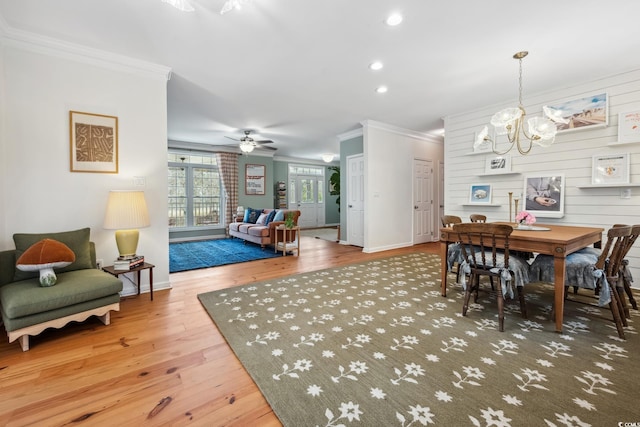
160	362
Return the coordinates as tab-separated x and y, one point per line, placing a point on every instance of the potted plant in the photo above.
288	221
334	183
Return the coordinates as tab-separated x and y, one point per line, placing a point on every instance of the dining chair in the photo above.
478	218
453	250
625	273
601	270
485	252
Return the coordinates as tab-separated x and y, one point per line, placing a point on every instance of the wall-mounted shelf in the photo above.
498	173
477	153
622	143
480	204
607	185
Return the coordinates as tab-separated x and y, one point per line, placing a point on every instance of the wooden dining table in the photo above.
556	240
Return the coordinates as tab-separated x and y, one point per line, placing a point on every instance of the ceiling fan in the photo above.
247	144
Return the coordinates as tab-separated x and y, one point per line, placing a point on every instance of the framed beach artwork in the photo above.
93	142
497	164
610	169
583	113
544	195
480	194
629	127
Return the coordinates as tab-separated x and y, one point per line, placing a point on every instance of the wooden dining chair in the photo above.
625	274
453	250
478	218
485	250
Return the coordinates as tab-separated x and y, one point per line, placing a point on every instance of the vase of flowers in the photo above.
525	220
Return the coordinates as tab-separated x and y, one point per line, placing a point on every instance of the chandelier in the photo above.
182	5
230	5
511	122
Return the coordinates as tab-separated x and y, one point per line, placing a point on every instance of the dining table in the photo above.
551	239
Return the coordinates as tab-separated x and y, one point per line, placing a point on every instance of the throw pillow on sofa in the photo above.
279	215
77	241
270	217
253	215
262	219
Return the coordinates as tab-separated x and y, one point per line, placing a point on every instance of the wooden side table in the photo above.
288	243
146	266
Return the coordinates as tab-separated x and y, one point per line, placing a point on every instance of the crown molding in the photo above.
401	131
19	39
350	134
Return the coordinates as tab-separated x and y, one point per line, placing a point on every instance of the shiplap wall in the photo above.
571	155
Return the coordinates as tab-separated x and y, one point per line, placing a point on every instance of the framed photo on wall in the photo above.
544	195
629	127
254	179
480	194
583	113
610	169
93	142
497	164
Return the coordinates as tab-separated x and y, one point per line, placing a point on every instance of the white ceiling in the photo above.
295	71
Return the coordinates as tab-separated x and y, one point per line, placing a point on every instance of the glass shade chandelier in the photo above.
521	133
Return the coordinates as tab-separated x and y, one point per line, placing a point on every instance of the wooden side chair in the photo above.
453	250
627	279
485	249
478	218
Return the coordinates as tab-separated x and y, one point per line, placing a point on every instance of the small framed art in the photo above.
629	127
480	194
544	195
610	169
497	164
583	113
93	142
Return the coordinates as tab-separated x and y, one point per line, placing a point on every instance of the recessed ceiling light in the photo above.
382	89
394	19
375	66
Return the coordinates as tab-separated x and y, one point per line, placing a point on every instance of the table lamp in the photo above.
240	211
126	212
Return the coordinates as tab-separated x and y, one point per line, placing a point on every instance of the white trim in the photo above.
25	40
404	132
350	134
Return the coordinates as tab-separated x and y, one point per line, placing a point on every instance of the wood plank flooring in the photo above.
160	363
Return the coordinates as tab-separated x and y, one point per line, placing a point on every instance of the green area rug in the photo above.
375	344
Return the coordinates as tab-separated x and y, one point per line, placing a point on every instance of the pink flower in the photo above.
525	217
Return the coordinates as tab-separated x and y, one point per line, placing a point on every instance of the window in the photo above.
195	191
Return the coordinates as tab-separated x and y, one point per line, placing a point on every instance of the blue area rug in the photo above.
211	253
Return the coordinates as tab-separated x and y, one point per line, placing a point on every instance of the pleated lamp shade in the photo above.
126	212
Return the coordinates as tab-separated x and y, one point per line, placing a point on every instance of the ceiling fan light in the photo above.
246	146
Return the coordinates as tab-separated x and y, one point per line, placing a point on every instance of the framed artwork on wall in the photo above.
254	180
629	127
583	113
480	194
93	142
497	164
610	169
544	195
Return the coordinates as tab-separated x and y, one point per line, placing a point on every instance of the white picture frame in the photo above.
586	112
497	164
543	195
610	169
629	127
480	194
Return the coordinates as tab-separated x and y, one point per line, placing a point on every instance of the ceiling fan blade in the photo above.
266	141
231	138
266	147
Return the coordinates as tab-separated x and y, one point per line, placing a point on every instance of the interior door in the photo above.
355	200
305	190
422	201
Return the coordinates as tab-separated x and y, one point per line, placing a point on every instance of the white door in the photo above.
422	201
355	200
306	196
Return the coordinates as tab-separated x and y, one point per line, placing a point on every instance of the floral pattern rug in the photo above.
375	344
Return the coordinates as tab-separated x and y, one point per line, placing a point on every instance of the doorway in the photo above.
355	200
422	201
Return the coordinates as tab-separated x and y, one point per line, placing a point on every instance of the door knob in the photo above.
415	207
350	206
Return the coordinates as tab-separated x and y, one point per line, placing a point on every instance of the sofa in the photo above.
251	229
80	291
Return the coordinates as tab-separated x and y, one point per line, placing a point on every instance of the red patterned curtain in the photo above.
228	166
